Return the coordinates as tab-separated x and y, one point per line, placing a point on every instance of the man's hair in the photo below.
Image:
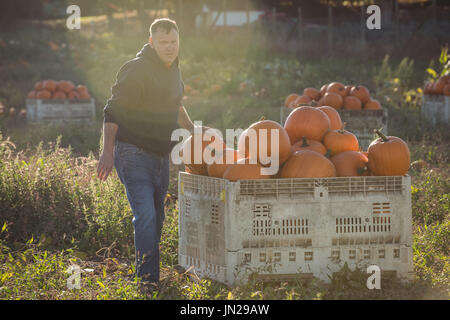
165	24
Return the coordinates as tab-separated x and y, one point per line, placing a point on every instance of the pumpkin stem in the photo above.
343	125
361	171
304	142
381	135
328	154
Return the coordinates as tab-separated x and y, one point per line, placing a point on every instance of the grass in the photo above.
55	212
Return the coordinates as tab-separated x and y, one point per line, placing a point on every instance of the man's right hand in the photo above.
105	165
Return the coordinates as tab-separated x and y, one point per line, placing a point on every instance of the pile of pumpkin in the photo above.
439	87
312	144
336	95
12	112
58	90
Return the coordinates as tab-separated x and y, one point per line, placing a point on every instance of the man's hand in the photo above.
105	165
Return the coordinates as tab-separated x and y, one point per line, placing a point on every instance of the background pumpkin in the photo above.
31	95
337	87
50	85
360	92
73	95
290	98
66	86
38	86
332	99
299	101
59	95
446	90
372	104
312	93
352	103
43	94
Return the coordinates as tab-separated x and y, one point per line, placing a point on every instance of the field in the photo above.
54	212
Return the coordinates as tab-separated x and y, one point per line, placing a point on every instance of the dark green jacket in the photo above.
145	101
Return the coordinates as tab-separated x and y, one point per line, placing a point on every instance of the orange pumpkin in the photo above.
332	99
300	101
59	95
66	86
372	104
193	151
360	92
43	94
333	115
438	86
446	90
323	90
73	95
347	89
38	86
338	141
259	133
83	89
31	95
50	85
349	163
84	96
245	169
308	144
290	98
427	88
388	156
307	164
307	122
218	169
352	103
337	87
312	93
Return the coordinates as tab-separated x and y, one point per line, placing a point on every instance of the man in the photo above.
144	108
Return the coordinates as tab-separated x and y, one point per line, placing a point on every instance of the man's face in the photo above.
166	45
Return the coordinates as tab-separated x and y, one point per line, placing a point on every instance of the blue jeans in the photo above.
146	179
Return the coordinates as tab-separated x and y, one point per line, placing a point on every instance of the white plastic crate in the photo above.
60	110
289	228
359	122
436	108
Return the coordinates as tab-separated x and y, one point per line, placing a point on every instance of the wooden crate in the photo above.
60	110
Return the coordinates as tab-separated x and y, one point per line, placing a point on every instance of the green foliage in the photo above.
57	212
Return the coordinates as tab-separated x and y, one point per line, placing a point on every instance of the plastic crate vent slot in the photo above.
187	206
335	254
215	219
292	256
358	225
308	255
192	233
264	225
381	208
